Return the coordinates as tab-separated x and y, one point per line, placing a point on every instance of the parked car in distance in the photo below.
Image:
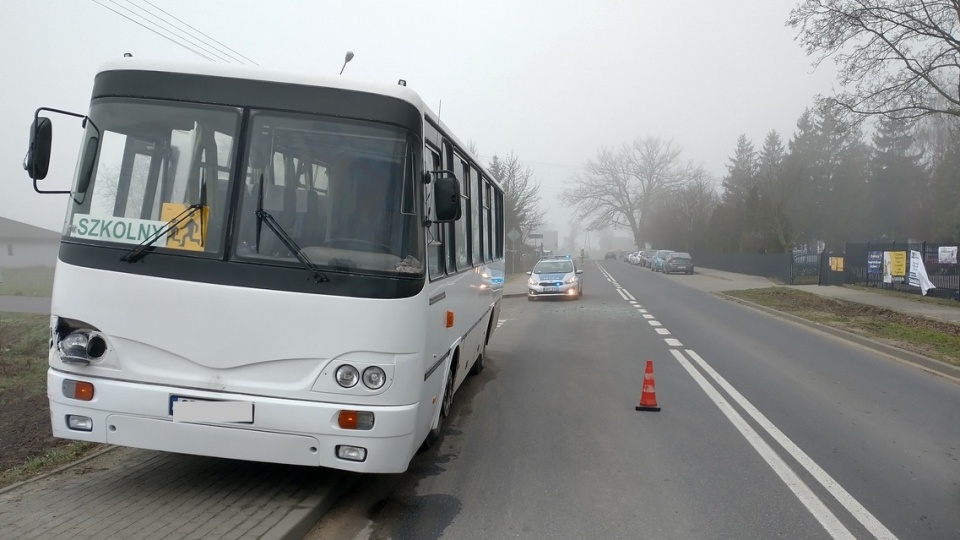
556	277
610	255
678	262
646	257
656	264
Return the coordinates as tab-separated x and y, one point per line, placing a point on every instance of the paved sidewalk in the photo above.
130	493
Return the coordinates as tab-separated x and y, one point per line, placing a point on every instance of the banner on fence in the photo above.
894	266
918	273
875	262
948	254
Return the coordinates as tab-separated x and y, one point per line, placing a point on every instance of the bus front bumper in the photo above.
295	432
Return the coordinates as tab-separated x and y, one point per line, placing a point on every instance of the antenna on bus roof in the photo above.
346	59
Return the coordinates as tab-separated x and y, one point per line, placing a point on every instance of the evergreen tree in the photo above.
899	185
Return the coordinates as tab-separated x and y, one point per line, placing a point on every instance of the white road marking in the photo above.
647	316
809	499
817	508
630	296
862	515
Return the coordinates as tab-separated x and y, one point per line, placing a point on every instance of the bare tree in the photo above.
521	195
896	58
620	188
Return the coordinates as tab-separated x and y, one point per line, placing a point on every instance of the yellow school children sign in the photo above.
189	233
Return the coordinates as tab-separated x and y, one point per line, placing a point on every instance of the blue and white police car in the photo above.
555	277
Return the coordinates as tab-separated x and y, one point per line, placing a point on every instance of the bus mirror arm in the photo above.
37	160
441	173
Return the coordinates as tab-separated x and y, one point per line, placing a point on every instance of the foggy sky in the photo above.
552	81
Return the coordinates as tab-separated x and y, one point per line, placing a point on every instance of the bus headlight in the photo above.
347	376
80	347
374	377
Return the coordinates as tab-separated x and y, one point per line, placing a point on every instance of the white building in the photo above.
25	246
545	241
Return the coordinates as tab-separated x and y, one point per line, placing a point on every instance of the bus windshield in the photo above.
342	190
334	194
155	161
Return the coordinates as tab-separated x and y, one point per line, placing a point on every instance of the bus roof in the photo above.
215	69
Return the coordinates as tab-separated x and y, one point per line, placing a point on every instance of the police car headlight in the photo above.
532	281
571	279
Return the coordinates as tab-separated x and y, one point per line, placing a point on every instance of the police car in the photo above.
555	277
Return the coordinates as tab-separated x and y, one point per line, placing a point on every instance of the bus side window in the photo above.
435	251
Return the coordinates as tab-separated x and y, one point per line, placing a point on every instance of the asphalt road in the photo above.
767	429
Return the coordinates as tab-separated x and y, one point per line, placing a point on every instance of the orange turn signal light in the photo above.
355	420
80	390
449	319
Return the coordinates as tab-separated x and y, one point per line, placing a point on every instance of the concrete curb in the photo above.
304	517
925	363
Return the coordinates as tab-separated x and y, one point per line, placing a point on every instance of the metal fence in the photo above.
944	276
776	266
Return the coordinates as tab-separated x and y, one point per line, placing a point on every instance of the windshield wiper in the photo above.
264	217
138	252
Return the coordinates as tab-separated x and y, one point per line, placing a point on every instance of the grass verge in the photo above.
935	339
37	281
27	447
53	458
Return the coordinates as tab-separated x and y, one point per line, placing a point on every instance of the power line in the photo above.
186	39
202	34
198	53
189	38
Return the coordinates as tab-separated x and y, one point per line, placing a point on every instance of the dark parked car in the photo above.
678	262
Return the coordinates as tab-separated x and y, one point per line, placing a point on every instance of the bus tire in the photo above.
433	436
478	365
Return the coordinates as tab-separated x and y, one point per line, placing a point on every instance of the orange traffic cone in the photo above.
648	397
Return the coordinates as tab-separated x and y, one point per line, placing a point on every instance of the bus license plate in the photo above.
185	409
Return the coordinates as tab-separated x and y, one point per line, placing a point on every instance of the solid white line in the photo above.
621	293
809	499
629	295
862	515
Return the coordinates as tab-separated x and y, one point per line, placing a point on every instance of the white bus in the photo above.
267	266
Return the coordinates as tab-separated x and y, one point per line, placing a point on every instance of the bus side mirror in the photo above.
37	161
446	196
